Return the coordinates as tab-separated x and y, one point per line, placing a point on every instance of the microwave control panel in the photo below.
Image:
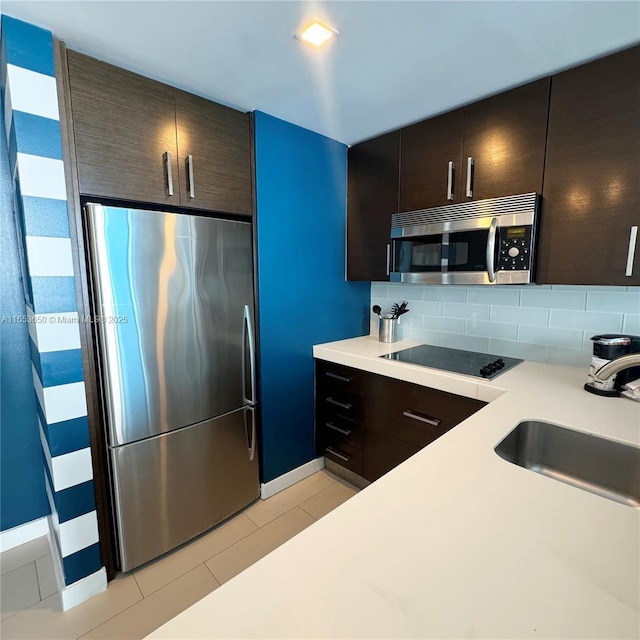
515	249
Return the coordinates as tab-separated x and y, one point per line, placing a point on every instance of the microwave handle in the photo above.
491	250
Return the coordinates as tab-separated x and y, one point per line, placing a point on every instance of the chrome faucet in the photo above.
615	366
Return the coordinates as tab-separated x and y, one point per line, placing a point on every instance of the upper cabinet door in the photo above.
431	162
214	146
372	198
504	143
124	127
591	198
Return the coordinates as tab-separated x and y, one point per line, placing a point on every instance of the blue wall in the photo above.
303	298
22	494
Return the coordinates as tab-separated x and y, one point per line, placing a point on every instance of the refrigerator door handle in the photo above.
248	338
251	431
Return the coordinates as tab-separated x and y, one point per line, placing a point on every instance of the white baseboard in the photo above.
268	489
24	533
79	591
55	554
83	589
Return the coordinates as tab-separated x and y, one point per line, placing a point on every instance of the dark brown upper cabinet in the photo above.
591	196
504	136
372	198
431	162
214	143
138	139
488	149
123	125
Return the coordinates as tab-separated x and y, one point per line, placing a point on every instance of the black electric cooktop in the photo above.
471	363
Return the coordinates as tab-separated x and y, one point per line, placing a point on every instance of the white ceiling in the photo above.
393	63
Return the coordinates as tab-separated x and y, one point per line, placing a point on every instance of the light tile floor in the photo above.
139	602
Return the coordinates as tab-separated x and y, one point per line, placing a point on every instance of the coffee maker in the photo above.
607	347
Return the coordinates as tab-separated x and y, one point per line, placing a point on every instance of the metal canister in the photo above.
388	331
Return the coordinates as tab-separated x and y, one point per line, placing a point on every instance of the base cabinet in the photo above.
370	424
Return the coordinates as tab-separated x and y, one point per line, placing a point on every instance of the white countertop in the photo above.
455	542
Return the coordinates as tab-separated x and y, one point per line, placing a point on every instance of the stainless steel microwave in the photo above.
481	242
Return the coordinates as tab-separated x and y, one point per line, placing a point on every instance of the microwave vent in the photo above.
509	205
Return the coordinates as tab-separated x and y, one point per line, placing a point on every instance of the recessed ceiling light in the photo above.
317	33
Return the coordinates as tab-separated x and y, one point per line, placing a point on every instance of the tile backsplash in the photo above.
544	323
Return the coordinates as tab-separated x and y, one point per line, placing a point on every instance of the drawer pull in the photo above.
333	452
344	432
342	405
433	421
335	376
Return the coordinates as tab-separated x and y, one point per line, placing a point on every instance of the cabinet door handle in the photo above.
167	163
388	259
342	405
192	182
333	452
631	253
344	432
470	165
450	180
329	374
491	250
414	416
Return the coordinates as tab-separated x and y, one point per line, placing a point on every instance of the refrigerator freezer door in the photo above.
171	290
173	487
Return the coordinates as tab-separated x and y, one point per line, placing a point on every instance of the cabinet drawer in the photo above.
339	430
337	376
344	455
382	453
339	404
414	414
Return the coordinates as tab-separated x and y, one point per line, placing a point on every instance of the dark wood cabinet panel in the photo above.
426	148
336	428
344	455
218	139
591	195
340	377
340	409
373	423
123	124
335	402
372	198
384	452
506	135
415	414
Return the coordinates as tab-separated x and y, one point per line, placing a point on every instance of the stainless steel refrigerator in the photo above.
174	298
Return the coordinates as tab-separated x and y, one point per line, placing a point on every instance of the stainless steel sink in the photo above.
604	467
